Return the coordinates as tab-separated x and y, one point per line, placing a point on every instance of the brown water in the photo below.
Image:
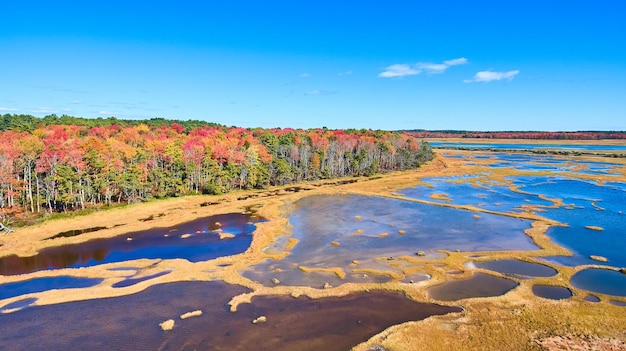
479	285
165	243
552	292
517	268
131	322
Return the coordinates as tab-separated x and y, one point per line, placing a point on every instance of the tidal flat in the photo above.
388	238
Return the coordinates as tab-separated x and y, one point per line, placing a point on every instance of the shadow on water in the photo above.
75	232
132	281
43	284
203	244
131	322
479	285
18	305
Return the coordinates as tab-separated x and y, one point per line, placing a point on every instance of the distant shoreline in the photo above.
529	141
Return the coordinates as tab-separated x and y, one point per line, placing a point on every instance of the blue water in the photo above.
486	196
601	281
322	219
610	204
43	284
165	243
586	203
504	146
19	304
539	163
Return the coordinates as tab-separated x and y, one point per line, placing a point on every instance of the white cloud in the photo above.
304	75
455	62
346	73
106	113
489	76
398	70
402	69
432	67
7	109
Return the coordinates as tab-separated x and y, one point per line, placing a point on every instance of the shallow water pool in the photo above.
203	243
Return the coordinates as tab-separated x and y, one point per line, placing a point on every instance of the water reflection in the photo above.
18	305
601	281
587	204
552	292
533	146
473	191
479	285
195	241
43	284
131	322
517	268
364	235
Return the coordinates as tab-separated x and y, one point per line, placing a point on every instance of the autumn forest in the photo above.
60	164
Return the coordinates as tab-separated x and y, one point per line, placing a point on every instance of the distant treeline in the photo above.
28	123
582	135
65	163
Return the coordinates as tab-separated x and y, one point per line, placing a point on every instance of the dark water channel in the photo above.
131	322
203	244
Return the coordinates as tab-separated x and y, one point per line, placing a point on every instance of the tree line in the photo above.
63	167
580	135
28	123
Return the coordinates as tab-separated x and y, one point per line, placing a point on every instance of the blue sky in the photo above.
480	65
